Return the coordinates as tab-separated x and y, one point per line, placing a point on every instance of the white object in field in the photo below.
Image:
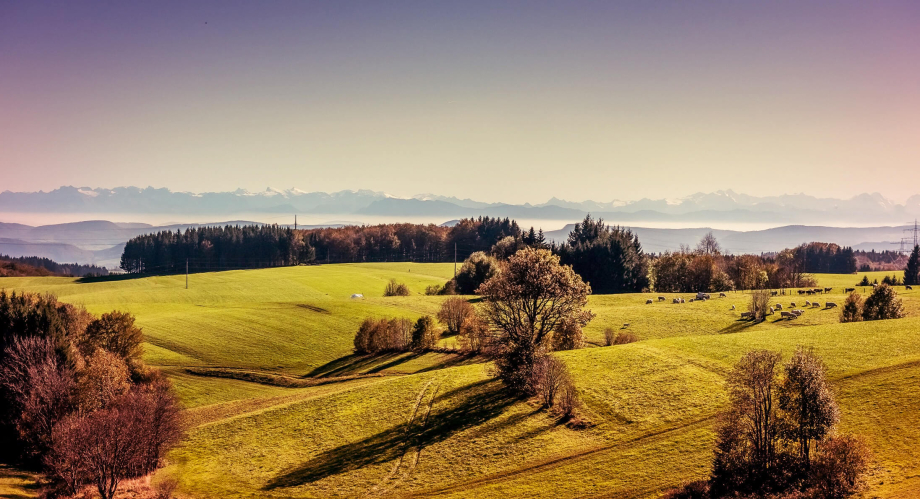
356	296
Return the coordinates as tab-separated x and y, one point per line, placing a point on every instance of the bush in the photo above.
396	289
609	336
760	303
116	333
852	308
840	467
453	312
433	290
449	288
104	379
623	338
568	335
692	490
425	334
553	384
883	304
477	269
383	335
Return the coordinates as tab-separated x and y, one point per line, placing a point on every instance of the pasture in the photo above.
437	424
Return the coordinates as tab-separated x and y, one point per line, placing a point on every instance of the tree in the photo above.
550	376
525	303
912	270
477	269
425	334
747	435
609	258
104	379
709	245
840	467
115	332
474	334
809	411
37	390
852	308
453	312
394	288
882	304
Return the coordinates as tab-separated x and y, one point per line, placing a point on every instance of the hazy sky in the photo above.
509	101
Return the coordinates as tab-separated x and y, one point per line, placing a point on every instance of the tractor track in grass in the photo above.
394	478
550	464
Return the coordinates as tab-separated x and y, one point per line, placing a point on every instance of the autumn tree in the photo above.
425	334
474	334
453	312
525	303
806	403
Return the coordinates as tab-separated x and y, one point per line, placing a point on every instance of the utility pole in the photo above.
186	273
455	260
295	221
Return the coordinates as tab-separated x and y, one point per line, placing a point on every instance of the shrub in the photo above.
116	333
425	334
396	289
623	338
568	335
453	312
398	334
381	335
693	490
477	269
433	290
840	468
609	336
760	303
852	308
882	304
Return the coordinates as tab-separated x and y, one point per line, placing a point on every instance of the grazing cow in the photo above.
691	300
772	311
722	295
797	312
682	300
828	290
849	290
815	305
907	286
625	325
675	300
809	292
807	303
830	304
660	298
793	304
774	293
745	315
874	286
733	307
649	301
787	315
779	306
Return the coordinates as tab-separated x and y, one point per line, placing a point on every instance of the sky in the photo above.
495	101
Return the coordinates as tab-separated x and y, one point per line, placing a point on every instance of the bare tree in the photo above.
709	245
760	303
526	302
474	335
549	376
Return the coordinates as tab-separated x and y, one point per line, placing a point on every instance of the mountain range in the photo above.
719	206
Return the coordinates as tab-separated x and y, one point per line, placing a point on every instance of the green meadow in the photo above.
301	416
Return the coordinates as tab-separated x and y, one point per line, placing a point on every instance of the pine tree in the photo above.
912	270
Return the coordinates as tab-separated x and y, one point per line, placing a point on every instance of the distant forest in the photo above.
12	266
259	246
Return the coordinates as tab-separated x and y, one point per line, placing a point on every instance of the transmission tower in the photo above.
910	239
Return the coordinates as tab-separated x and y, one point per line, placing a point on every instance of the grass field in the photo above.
438	424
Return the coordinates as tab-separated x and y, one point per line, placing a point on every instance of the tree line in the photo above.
11	266
259	246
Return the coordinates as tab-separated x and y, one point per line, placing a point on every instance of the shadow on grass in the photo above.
352	364
738	326
455	360
481	402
